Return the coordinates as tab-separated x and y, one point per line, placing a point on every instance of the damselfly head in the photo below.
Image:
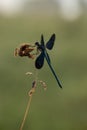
37	43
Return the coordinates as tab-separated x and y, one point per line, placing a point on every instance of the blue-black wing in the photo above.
42	40
39	61
50	43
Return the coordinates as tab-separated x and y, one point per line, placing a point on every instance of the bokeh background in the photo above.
24	21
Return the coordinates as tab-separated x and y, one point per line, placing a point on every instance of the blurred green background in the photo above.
54	108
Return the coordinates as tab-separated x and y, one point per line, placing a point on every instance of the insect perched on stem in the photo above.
32	51
40	59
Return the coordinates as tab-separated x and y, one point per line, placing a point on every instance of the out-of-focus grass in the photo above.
54	109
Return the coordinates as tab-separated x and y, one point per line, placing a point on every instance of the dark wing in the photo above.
42	40
50	43
39	61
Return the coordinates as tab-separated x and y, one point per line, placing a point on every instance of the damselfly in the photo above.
40	59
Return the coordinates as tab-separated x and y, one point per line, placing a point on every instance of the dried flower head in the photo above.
25	49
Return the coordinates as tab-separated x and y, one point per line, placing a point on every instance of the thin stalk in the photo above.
26	113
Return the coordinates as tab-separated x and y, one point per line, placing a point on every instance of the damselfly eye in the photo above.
37	43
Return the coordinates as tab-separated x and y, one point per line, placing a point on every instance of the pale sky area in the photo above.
10	6
69	9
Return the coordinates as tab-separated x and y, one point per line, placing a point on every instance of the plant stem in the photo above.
26	112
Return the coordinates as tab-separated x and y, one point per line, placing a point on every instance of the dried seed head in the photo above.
43	84
29	73
16	52
25	49
34	84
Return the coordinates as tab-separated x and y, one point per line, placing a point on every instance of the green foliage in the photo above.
53	109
